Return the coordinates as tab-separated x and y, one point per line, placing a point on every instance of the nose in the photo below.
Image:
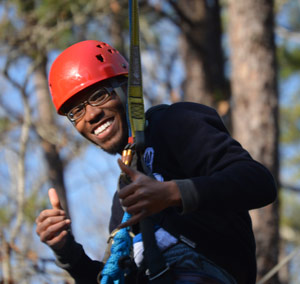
93	114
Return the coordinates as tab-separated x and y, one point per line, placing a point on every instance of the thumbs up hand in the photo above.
53	224
54	200
145	196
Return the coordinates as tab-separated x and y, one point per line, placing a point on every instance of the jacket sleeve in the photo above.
73	259
215	171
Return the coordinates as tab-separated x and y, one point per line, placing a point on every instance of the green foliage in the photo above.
294	15
4	124
290	210
40	26
51	12
25	6
4	217
33	206
288	55
290	137
7	27
278	5
289	61
290	124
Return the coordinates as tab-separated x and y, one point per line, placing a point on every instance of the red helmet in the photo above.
82	65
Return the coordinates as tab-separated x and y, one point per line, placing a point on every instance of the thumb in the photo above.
54	199
127	170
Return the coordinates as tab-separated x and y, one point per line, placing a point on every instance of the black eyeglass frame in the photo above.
106	95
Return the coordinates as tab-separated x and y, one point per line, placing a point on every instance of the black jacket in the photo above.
218	180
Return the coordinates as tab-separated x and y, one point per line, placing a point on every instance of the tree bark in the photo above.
255	108
46	122
201	50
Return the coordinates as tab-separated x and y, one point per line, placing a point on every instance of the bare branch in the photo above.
290	187
181	12
21	163
12	57
6	261
276	268
158	10
288	34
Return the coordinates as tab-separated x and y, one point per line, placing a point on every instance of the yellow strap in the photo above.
135	101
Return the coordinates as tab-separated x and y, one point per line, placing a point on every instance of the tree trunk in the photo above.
201	50
255	110
46	122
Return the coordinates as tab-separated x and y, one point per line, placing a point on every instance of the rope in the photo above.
121	246
136	123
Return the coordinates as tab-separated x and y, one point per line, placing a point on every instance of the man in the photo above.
204	185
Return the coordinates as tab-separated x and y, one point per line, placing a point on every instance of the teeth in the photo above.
101	128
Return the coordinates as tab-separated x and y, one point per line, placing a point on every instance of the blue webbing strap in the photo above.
111	272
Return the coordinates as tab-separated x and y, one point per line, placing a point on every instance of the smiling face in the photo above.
104	125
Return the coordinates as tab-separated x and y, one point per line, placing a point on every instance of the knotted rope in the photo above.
121	246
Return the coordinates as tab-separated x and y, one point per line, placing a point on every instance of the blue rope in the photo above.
111	272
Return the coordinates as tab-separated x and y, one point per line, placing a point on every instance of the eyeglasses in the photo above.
97	98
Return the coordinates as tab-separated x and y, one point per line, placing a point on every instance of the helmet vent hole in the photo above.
99	46
124	66
109	50
100	57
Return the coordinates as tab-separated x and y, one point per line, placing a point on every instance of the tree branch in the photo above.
6	259
290	187
288	34
21	167
24	137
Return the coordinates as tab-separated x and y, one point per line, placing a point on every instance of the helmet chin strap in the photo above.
119	91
